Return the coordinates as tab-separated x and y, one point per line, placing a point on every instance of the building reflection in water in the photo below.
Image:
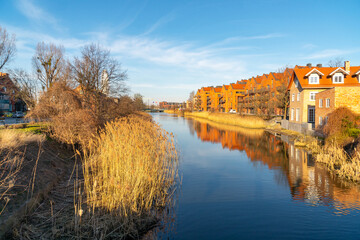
308	182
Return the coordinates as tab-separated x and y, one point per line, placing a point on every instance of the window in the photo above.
326	119
293	97
298	97
328	102
297	114
320	103
312	96
296	83
4	89
314	79
338	78
292	114
320	120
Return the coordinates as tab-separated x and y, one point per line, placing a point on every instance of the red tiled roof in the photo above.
325	81
237	86
226	86
217	89
206	88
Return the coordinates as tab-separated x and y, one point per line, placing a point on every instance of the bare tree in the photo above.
282	93
26	89
48	63
336	62
97	71
7	47
99	77
191	100
138	102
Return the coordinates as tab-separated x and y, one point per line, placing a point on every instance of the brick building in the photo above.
308	105
9	102
331	99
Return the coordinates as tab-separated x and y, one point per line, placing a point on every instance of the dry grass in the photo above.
241	130
11	161
339	162
231	119
170	111
309	142
11	138
10	166
130	170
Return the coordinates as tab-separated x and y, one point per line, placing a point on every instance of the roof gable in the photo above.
314	70
339	69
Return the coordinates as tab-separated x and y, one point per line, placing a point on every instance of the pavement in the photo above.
9	121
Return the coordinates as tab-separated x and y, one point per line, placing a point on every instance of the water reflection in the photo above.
308	182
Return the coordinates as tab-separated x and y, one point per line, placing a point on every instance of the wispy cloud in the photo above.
37	14
329	53
175	54
232	40
162	21
309	46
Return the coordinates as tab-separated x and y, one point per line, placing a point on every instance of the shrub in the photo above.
353	132
339	121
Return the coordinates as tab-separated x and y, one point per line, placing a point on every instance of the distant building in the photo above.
171	105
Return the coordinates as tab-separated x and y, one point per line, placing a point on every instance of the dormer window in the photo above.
314	79
338	78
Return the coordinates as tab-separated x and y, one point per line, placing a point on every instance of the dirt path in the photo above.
43	188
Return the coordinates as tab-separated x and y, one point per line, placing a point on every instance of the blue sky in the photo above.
170	48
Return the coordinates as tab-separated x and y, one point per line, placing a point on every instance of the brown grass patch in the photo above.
231	119
11	139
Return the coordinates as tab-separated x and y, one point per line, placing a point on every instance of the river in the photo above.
249	184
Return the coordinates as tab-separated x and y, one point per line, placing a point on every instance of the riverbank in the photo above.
231	119
54	191
339	158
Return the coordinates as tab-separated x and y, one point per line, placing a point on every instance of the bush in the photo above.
353	132
340	120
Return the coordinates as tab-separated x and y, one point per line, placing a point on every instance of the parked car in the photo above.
18	114
232	111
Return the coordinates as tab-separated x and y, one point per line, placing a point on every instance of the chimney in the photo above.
319	65
309	65
347	66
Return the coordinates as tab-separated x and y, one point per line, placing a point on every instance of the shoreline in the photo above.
344	166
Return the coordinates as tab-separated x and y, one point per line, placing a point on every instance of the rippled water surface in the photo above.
248	184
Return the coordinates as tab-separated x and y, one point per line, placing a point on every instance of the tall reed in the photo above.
131	168
339	162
